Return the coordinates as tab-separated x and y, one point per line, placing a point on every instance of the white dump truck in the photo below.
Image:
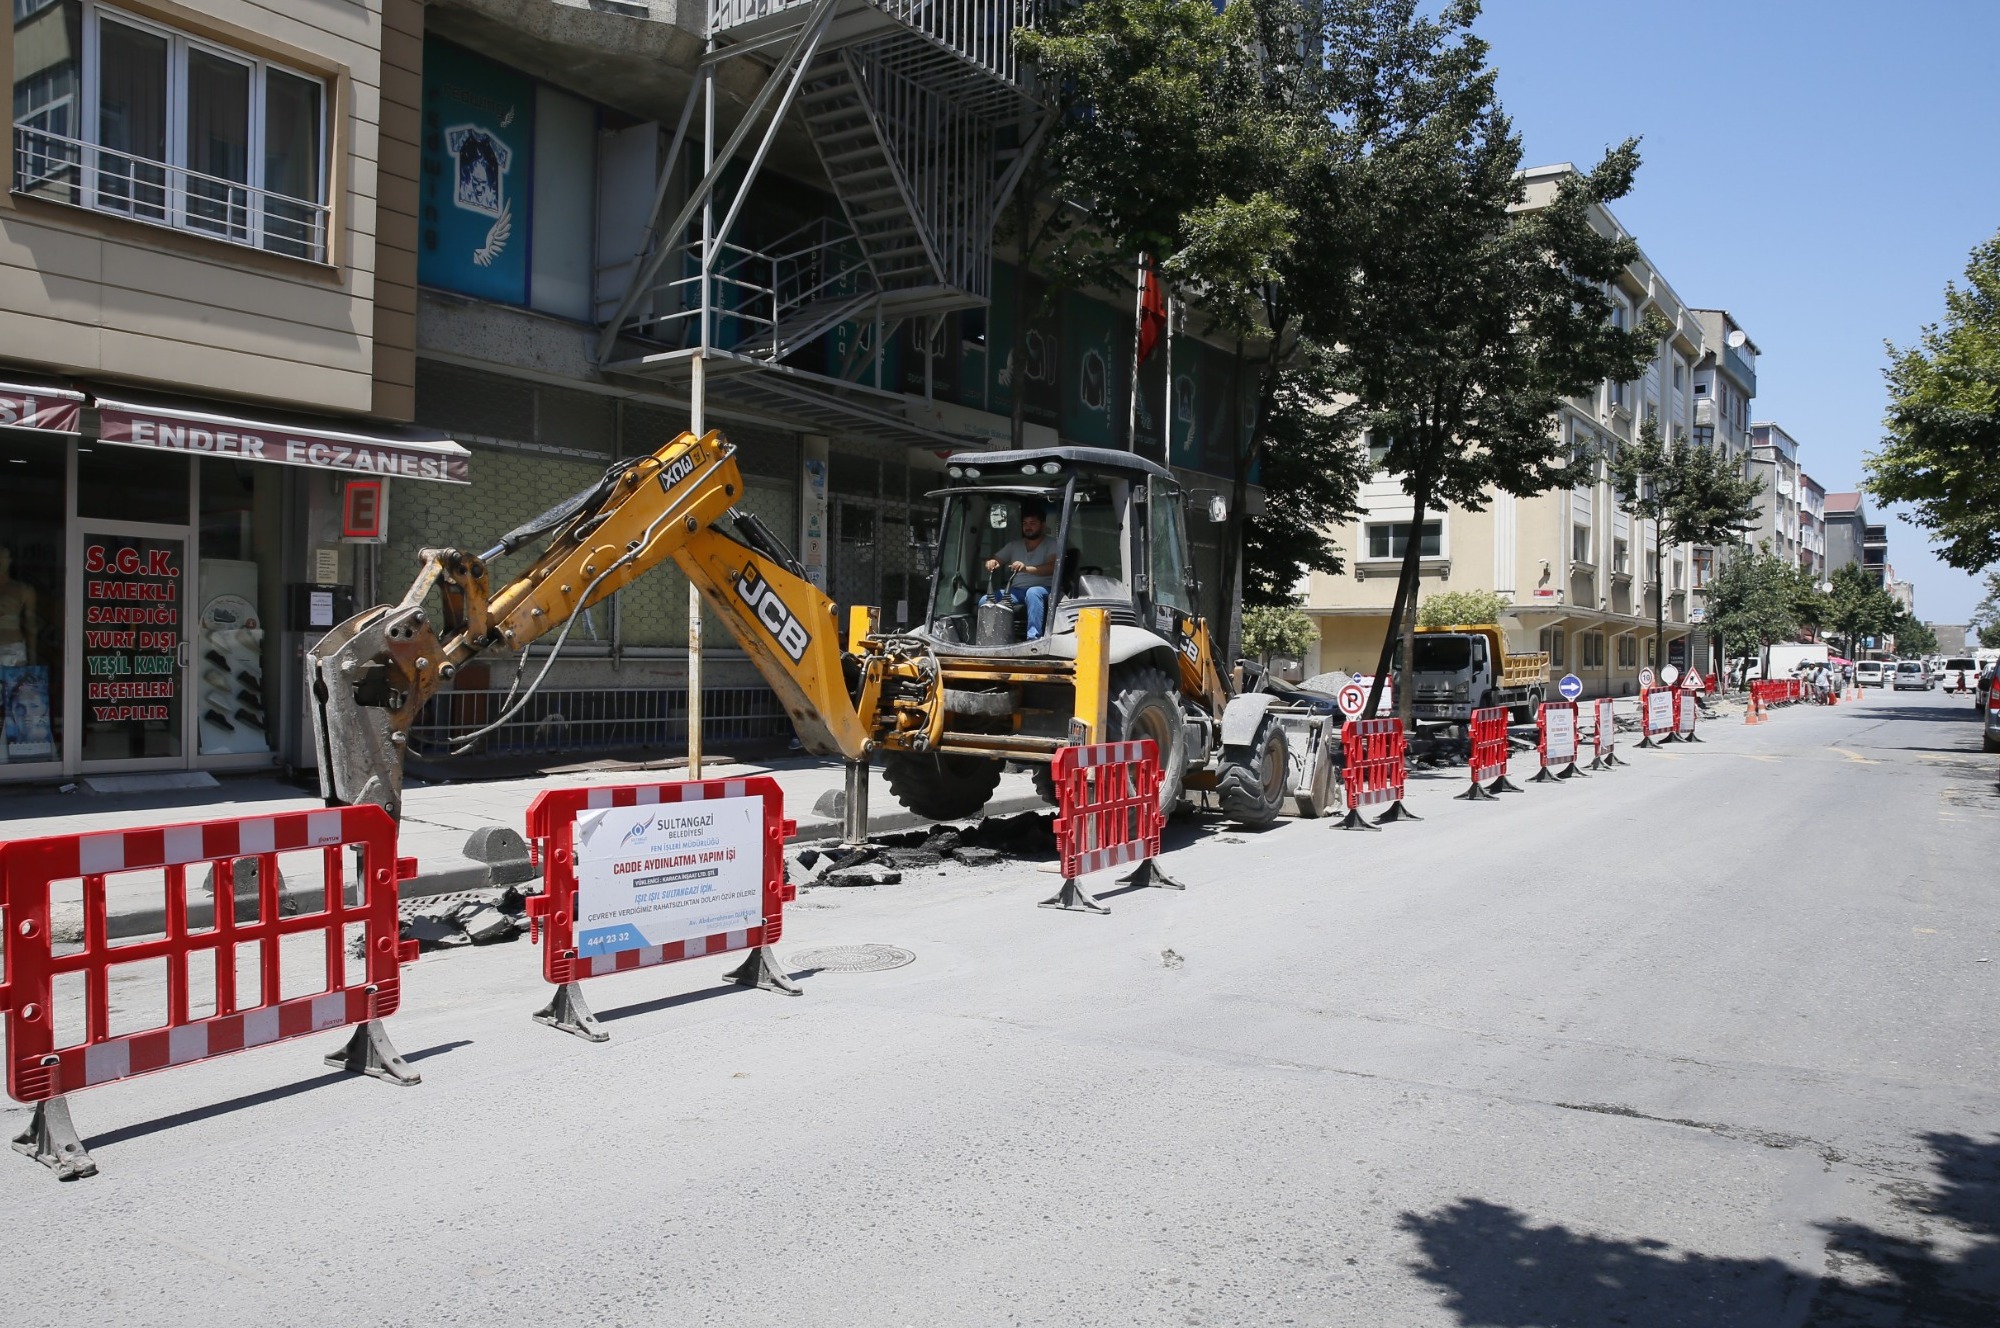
1465	668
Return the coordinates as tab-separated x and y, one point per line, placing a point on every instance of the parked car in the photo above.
1989	723
1960	672
1871	673
1912	676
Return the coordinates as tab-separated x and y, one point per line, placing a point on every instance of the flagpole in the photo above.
1138	338
1167	420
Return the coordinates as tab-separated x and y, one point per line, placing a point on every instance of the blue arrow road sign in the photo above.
1571	687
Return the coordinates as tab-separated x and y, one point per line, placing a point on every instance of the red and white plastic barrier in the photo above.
1686	711
1487	748
1107	814
1604	735
645	874
49	1056
1656	716
1556	742
1374	764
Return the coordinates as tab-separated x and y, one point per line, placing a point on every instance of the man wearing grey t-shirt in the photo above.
1032	560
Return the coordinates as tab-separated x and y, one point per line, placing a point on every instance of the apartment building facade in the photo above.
208	245
1579	571
1773	460
1812	528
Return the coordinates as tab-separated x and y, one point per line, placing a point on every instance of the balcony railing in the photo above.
68	170
981	32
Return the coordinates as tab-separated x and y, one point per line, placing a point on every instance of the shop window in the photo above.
131	484
32	609
238	590
143	121
1391	539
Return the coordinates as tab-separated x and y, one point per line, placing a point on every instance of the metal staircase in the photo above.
911	107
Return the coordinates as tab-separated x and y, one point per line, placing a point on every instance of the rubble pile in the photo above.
467	917
884	858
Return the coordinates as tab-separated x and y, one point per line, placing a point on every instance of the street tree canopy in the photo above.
1941	454
1753	600
1691	494
1471	321
1858	608
1455	608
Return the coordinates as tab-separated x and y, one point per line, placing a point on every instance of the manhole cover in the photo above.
850	959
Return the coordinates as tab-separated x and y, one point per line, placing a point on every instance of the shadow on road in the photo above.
141	1129
1499	1270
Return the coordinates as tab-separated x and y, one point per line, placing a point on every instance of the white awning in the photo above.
408	454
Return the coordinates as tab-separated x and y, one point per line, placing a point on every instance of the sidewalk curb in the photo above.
468	875
458	874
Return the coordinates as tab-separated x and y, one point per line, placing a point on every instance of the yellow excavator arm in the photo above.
372	675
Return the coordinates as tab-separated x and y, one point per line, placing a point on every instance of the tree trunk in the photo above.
1243	458
1404	609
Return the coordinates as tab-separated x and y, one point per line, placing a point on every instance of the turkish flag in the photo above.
1152	309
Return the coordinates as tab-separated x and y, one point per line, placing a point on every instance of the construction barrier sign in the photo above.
1373	768
1107	814
1604	735
1486	754
639	875
54	1048
1555	731
1685	708
1656	715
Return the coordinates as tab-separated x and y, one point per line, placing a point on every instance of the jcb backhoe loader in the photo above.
1121	652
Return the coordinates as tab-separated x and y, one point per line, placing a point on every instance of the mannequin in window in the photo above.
17	615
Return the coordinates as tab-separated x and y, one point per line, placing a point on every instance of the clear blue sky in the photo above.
1820	168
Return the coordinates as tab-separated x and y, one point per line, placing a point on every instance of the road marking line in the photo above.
1856	757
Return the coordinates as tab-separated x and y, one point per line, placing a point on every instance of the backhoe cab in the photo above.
1096	637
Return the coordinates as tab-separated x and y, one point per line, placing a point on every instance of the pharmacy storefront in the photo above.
164	564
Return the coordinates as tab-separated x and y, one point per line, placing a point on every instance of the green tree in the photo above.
1985	622
1912	637
1943	426
1472	321
1753	602
1858	608
1278	630
1312	470
1455	608
1691	494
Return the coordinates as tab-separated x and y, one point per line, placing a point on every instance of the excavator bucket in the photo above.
362	705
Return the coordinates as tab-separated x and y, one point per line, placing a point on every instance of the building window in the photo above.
1680	375
1590	645
1680	575
1652	569
1378	449
1391	539
1704	564
121	115
1621	556
1552	645
1628	652
1579	544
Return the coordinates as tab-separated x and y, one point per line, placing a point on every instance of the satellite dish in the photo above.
1737	338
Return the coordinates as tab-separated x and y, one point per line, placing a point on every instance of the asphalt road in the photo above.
1705	1041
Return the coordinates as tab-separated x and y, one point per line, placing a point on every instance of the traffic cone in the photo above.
1755	714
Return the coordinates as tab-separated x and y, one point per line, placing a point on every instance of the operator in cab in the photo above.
1032	560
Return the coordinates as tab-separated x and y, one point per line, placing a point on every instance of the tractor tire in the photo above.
1145	703
941	788
1252	782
